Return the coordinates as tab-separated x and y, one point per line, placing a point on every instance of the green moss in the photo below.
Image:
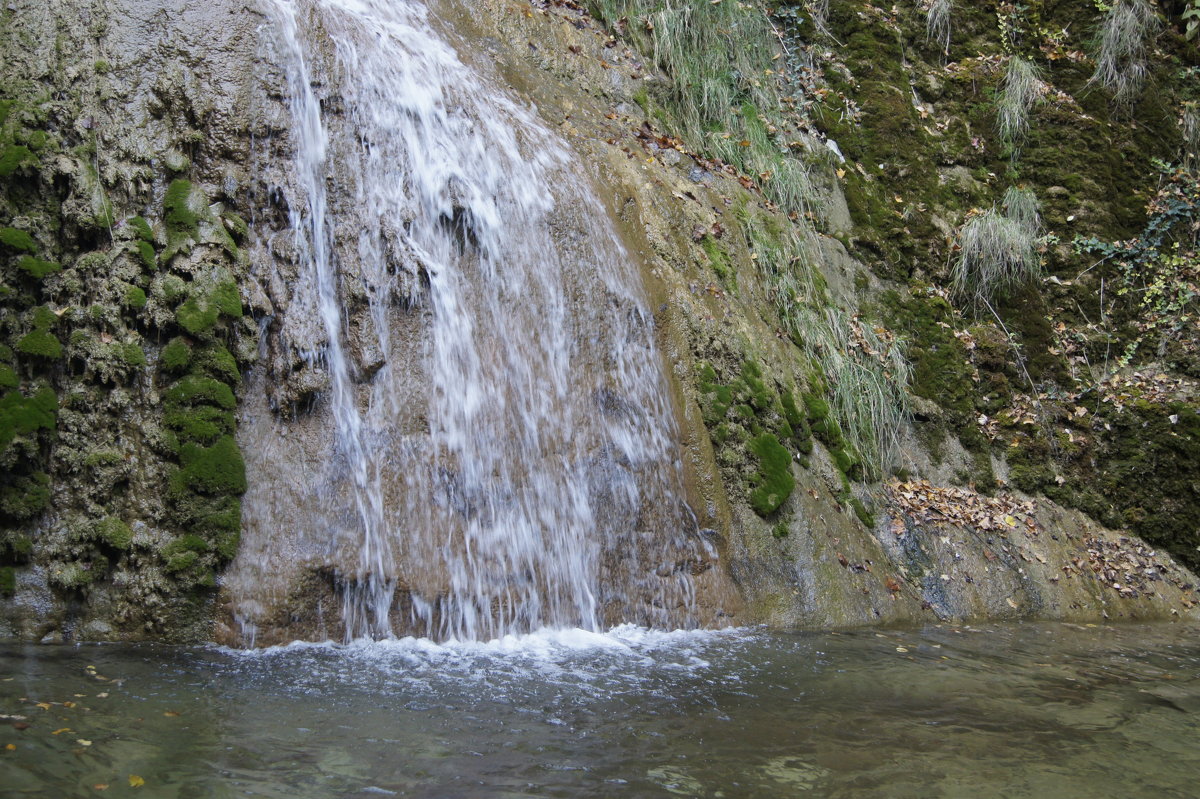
8	377
102	67
133	354
780	531
37	140
18	240
183	224
206	304
238	227
20	415
40	344
25	497
177	355
217	362
214	470
860	510
197	390
181	561
817	408
717	258
142	228
114	532
202	425
196	317
146	253
8	581
135	298
14	157
773	483
37	268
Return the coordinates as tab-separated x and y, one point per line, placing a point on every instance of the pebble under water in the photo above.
1007	711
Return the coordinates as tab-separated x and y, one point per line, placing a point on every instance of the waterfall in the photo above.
500	451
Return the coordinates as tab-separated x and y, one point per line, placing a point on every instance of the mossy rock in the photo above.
135	298
18	240
208	300
8	377
21	415
177	355
198	390
201	425
773	483
114	532
15	157
214	470
40	344
180	214
37	268
25	497
148	255
8	582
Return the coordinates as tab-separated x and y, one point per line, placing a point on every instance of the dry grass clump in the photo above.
1021	88
998	250
937	23
1120	55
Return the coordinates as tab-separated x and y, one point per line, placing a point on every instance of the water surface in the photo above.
1033	710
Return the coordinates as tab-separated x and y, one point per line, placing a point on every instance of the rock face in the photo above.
858	443
121	324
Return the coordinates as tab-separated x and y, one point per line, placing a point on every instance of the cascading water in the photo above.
502	453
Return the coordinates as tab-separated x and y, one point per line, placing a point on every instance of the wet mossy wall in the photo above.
122	341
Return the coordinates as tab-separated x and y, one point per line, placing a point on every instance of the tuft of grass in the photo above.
866	376
724	97
1022	87
1120	50
1189	127
937	23
998	250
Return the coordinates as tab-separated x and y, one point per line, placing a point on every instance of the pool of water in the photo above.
1032	710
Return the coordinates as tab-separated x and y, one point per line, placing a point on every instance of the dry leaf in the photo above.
100	786
60	731
171	713
83	742
11	747
135	781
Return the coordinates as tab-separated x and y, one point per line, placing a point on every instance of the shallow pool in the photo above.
1015	711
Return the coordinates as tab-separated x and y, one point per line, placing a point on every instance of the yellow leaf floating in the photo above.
61	731
101	786
83	742
135	781
11	747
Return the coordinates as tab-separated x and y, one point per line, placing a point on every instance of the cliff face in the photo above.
900	385
126	150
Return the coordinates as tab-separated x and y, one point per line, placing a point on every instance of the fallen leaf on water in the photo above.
68	704
43	705
83	742
11	747
901	649
100	786
61	731
20	725
135	781
171	713
102	696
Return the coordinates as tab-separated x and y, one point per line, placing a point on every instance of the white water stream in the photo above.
512	464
